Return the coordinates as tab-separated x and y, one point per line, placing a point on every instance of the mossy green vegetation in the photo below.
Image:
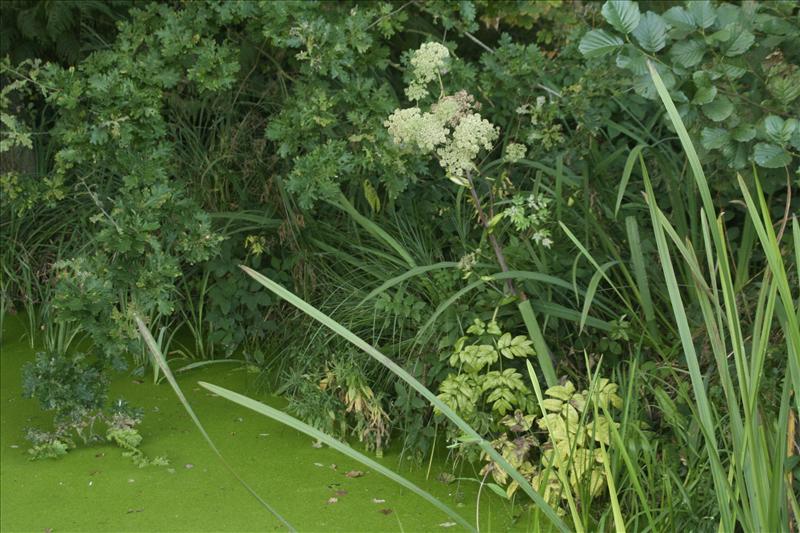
95	488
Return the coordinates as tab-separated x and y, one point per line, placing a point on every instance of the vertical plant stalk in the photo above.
534	331
498	250
790	445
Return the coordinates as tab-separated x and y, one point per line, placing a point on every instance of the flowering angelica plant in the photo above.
451	128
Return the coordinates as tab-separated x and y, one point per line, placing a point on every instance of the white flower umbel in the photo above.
411	127
451	127
427	64
403	125
515	152
470	135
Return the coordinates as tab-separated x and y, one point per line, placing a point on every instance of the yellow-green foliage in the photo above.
564	449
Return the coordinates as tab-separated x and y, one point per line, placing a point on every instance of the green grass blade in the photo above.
626	175
769	243
500	276
416	271
378	232
293	423
706	418
591	258
248	216
532	276
619	522
633	471
590	291
639	270
731	311
162	362
796	238
397	370
686	143
543	354
559	311
744	255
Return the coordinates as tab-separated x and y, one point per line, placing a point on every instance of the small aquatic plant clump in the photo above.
75	390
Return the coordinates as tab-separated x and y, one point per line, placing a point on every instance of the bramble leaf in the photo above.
598	43
622	14
771	156
651	33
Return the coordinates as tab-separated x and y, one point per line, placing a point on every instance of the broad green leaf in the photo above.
741	42
598	43
714	138
785	89
739	159
702	12
701	78
730	71
633	60
775	25
562	392
680	96
795	140
497	490
722	36
778	130
651	32
728	14
643	85
622	14
705	95
679	19
688	53
771	156
600	430
98	135
743	133
719	109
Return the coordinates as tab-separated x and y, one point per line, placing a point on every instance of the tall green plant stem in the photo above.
498	250
534	331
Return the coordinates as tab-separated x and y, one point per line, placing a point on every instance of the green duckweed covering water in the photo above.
95	488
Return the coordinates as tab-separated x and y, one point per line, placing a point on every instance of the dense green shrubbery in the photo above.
731	69
411	169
